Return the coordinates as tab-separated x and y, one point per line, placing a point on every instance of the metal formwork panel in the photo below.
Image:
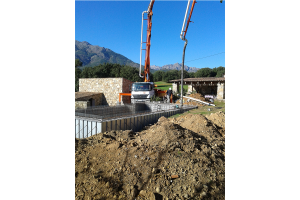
89	128
121	124
118	125
108	126
99	127
84	128
125	124
104	127
94	128
77	128
128	124
81	129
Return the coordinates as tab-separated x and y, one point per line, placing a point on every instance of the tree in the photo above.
192	74
158	75
114	70
88	72
185	74
204	72
78	63
102	71
170	75
130	73
77	76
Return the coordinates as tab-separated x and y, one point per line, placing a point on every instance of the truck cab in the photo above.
142	92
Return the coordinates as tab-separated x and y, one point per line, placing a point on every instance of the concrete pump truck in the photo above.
144	91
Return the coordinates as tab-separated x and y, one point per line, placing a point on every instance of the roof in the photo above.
202	79
84	96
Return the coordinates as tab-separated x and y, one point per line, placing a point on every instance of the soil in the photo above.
187	101
176	158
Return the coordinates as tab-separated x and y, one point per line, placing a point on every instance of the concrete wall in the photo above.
110	87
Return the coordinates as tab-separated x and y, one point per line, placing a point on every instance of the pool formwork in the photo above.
134	117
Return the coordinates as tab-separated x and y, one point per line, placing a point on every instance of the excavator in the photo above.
144	91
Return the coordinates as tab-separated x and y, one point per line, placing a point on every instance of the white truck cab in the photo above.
142	92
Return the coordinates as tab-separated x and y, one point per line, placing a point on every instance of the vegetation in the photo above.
132	73
166	76
107	70
78	63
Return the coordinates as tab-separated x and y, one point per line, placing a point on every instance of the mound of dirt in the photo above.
197	96
191	102
218	119
182	158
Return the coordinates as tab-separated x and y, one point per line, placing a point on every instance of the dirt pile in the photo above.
197	96
210	126
182	158
187	101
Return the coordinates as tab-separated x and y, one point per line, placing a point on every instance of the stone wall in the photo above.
81	104
221	91
175	87
191	88
110	87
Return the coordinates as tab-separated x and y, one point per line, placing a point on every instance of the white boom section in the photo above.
199	101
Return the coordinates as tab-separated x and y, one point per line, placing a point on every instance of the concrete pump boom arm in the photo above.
149	12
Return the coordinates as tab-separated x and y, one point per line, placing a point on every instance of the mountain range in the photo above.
176	66
93	55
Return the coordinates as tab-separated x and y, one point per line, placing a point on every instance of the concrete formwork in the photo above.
86	126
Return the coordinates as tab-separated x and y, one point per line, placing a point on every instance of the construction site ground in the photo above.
181	157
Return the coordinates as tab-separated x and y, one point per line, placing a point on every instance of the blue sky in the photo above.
117	25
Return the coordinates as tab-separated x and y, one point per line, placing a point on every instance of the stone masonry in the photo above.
175	87
221	91
110	87
82	99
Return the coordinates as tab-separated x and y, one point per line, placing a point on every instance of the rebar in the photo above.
125	111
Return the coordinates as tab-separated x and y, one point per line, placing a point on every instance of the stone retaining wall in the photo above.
110	87
81	104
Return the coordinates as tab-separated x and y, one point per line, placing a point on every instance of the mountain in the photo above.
93	55
176	66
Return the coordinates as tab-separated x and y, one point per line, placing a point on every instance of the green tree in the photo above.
102	71
204	72
78	63
192	75
158	75
114	70
77	76
170	75
185	74
88	72
130	73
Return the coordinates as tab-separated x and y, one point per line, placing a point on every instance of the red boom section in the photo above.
189	20
147	57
